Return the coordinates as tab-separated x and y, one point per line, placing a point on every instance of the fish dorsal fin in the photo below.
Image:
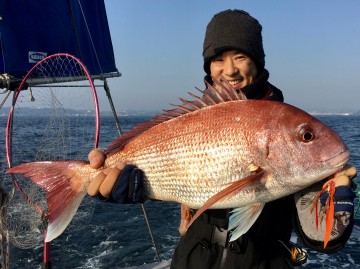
219	92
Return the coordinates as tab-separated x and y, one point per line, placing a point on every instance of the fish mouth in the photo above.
339	160
331	166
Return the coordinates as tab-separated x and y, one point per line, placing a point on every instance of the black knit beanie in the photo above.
233	29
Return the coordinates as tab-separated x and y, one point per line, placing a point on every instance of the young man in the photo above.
233	51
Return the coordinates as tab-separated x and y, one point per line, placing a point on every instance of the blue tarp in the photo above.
31	30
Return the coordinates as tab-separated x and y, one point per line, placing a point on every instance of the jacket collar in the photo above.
259	88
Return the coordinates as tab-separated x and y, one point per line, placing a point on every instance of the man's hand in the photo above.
120	184
104	182
343	178
344	195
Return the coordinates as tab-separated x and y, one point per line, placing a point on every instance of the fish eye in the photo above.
306	135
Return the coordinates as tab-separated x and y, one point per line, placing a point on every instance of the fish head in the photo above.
303	150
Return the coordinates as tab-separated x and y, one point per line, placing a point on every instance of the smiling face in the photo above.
234	66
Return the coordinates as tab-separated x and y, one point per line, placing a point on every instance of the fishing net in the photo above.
54	116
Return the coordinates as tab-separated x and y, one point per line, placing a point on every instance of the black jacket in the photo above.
263	246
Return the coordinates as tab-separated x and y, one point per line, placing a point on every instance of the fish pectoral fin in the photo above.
242	218
228	192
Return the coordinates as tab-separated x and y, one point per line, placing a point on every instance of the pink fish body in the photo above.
240	153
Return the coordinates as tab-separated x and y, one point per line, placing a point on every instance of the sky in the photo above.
311	47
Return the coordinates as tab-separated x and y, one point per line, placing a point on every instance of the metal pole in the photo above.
117	122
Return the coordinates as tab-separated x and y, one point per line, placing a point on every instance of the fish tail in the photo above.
65	185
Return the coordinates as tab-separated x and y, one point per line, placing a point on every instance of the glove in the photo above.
128	188
344	196
305	221
343	199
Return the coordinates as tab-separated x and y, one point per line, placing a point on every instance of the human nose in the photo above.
229	67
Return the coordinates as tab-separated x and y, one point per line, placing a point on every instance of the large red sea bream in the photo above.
218	150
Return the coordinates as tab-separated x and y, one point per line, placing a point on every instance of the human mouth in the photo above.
235	83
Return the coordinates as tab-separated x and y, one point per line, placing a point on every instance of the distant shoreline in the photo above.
123	113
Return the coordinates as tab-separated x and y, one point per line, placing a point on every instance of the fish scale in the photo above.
222	145
210	154
183	152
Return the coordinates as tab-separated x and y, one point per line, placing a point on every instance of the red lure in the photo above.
329	209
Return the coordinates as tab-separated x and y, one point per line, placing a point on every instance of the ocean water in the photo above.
116	236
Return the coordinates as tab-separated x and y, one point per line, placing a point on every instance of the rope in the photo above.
7	255
6	97
76	32
2	251
92	43
1	47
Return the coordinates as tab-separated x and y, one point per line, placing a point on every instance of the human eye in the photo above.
217	60
240	57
